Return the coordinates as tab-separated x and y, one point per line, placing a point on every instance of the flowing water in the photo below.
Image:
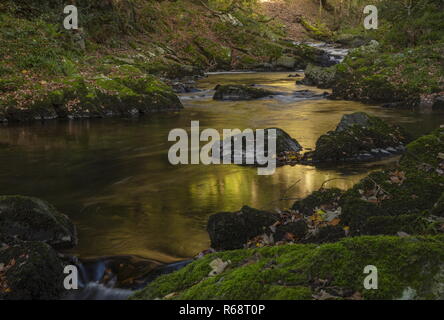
112	176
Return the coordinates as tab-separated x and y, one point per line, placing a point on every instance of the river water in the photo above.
113	179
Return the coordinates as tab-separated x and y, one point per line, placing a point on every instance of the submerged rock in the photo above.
240	92
358	137
308	94
32	219
232	230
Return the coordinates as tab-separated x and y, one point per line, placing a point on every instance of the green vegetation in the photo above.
41	61
329	271
406	68
403	199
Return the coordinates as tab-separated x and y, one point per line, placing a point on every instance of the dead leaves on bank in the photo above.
322	216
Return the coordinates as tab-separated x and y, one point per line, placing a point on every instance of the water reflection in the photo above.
113	178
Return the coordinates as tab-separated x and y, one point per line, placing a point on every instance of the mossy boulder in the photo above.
358	137
322	77
29	271
232	230
297	272
32	219
240	92
119	95
285	145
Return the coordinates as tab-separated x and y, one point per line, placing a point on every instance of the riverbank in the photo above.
121	60
400	208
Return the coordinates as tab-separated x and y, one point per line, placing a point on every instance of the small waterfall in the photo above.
116	278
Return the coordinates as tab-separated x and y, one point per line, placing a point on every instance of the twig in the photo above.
328	180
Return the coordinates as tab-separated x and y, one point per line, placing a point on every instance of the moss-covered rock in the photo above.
30	271
402	199
118	95
232	230
32	219
287	148
396	79
322	77
358	137
296	272
240	92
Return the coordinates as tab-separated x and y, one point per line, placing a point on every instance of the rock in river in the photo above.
322	77
32	219
240	92
231	230
286	146
358	137
30	270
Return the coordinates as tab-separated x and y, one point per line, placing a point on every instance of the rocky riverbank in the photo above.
392	219
32	235
109	68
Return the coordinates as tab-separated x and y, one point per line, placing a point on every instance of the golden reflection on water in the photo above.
113	178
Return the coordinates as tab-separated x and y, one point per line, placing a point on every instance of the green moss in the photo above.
317	31
391	77
33	271
357	139
240	92
292	271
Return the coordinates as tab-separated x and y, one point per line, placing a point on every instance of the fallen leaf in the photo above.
218	266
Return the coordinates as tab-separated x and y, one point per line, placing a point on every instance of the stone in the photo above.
33	219
240	92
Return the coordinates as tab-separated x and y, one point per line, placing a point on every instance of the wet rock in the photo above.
318	76
358	137
29	271
125	96
285	144
240	92
32	219
231	230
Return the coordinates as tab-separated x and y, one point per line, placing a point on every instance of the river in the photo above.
113	179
